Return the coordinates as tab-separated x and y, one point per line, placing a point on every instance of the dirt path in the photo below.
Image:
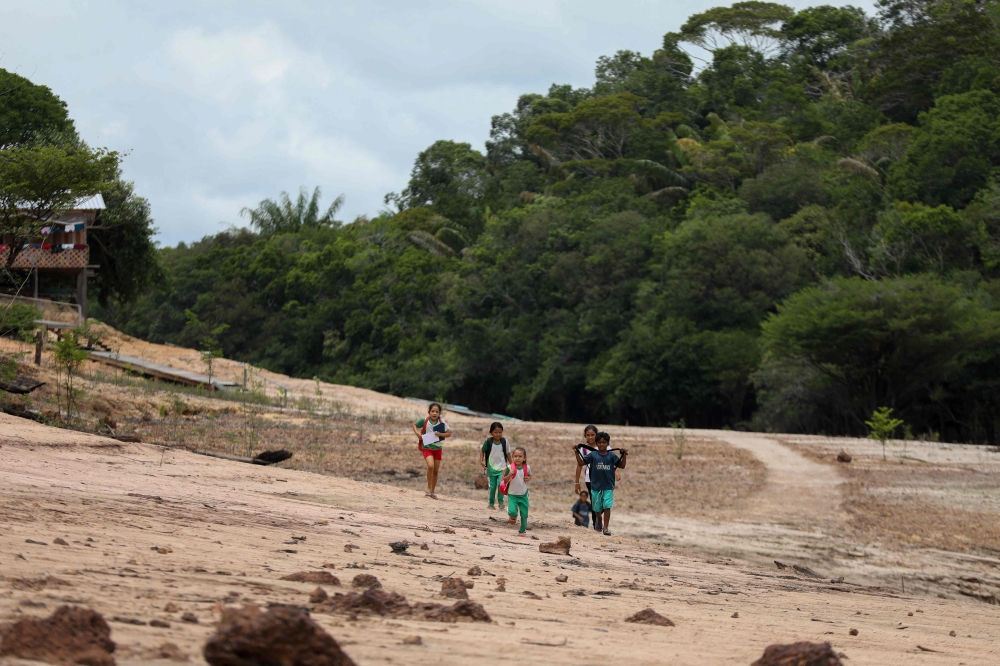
795	517
798	491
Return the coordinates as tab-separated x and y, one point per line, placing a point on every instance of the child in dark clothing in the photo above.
581	510
603	465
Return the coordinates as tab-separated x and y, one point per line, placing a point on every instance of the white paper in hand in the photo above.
430	438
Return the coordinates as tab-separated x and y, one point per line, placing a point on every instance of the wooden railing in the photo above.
51	313
74	258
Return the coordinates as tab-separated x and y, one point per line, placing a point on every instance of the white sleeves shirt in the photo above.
517	485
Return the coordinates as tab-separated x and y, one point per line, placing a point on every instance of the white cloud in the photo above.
234	66
337	158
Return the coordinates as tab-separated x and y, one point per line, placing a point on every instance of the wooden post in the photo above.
39	343
81	294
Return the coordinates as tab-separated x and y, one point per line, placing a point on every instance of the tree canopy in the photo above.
778	220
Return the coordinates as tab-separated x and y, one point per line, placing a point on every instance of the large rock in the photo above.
318	577
366	581
454	588
650	616
461	611
69	636
799	654
282	636
373	601
558	547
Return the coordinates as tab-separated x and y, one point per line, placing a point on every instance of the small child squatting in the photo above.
516	476
581	510
603	465
493	458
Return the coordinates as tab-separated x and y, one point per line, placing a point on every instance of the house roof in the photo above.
95	202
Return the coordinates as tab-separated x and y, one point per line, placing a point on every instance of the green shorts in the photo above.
601	500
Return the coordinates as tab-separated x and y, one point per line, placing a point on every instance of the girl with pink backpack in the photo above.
515	486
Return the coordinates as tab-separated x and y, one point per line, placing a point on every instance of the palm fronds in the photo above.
668	195
426	241
651	168
549	161
452	237
285	216
859	168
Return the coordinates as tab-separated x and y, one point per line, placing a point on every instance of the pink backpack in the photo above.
503	484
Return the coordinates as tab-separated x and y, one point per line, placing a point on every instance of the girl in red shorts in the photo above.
430	432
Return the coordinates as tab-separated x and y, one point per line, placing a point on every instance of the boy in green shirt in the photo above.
493	458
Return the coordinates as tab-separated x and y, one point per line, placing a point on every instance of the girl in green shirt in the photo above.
439	431
493	458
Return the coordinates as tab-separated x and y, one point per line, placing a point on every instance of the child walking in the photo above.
516	476
430	432
590	441
603	465
493	458
581	510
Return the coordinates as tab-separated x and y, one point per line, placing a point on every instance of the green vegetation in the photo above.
883	426
17	321
789	236
69	357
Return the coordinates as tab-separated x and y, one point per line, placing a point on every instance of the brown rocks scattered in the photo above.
799	654
461	611
650	616
60	542
735	615
189	617
318	596
475	571
318	577
454	588
373	601
558	547
377	601
853	632
413	640
366	581
69	636
481	482
282	635
160	624
501	585
562	578
171	607
844	457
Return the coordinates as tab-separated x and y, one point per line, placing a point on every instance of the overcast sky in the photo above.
221	104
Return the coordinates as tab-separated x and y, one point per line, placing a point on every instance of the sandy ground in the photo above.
348	397
226	531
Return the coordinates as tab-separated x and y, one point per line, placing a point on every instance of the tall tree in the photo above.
121	243
287	217
28	109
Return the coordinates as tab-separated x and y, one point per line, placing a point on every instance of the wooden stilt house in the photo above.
61	250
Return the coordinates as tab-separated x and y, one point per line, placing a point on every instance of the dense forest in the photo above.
778	220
